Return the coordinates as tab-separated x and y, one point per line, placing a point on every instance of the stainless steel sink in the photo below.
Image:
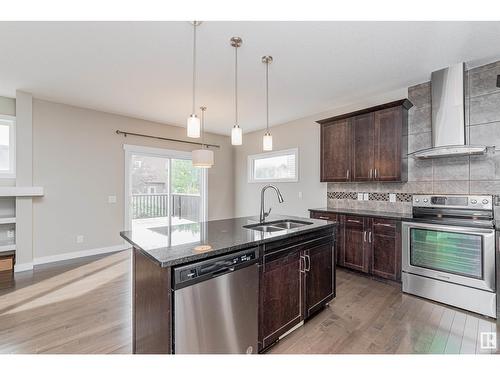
274	226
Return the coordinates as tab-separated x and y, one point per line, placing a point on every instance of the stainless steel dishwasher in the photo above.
216	305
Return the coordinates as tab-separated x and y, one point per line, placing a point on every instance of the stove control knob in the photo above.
473	201
426	200
417	200
486	201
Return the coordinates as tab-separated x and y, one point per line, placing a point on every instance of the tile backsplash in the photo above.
453	175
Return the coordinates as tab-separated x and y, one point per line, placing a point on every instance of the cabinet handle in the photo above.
347	175
370	237
364	236
371	173
375	173
324	217
354	221
308	268
385	225
302	262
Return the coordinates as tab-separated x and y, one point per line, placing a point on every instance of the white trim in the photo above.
8	117
23	267
80	254
265	155
155	151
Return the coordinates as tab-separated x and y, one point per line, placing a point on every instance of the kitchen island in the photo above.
296	272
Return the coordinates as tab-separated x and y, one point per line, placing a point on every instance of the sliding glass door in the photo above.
162	188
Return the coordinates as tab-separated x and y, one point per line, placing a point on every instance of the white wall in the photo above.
303	134
7	106
79	160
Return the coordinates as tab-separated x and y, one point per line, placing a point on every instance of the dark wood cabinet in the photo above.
389	151
280	306
296	280
356	254
336	151
366	145
370	245
319	267
385	249
362	147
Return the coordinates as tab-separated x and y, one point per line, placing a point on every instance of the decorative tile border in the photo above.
382	197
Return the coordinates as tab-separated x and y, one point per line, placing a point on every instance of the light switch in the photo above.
112	199
392	197
360	196
300	195
365	196
79	239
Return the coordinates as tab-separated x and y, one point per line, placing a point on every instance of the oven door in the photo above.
460	255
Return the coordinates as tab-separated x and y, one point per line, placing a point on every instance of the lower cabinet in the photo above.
296	280
367	244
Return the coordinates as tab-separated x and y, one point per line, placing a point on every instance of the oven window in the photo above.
456	253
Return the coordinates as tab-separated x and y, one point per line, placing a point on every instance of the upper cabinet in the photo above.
366	145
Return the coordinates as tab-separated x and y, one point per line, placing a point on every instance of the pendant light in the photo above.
193	122
203	157
236	132
267	141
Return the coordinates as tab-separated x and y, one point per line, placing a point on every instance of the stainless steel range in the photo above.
449	251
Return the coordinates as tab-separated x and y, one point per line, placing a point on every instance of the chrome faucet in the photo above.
263	213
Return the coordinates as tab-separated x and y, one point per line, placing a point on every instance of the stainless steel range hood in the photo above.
448	116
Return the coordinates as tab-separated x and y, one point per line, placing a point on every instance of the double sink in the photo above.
275	226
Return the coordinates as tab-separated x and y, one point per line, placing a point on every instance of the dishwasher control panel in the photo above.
197	272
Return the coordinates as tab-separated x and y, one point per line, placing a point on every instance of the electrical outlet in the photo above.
365	196
112	199
392	197
360	196
79	238
11	233
300	195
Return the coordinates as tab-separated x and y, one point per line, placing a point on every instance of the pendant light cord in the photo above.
194	64
203	109
236	85
267	96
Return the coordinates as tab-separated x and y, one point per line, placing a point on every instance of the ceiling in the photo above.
143	69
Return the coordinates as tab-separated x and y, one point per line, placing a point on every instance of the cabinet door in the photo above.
388	136
355	244
339	232
386	249
362	149
335	154
320	277
281	283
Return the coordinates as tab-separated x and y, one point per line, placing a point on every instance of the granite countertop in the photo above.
175	245
352	211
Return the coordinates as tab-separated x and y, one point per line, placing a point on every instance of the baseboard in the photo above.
23	267
67	256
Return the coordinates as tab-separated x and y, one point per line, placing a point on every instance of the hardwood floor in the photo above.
84	306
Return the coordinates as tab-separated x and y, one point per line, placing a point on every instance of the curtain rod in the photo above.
166	139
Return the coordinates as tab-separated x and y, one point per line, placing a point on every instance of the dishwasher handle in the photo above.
190	274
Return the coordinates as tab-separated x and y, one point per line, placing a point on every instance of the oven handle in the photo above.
449	228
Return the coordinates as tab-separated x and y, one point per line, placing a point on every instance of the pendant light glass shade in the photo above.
236	136
203	158
193	126
267	142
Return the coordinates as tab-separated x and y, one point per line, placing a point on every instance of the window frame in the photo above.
265	155
11	122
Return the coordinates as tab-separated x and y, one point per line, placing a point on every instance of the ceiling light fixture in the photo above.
203	158
267	141
236	132
193	122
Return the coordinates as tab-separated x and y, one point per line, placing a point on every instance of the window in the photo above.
278	166
7	147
